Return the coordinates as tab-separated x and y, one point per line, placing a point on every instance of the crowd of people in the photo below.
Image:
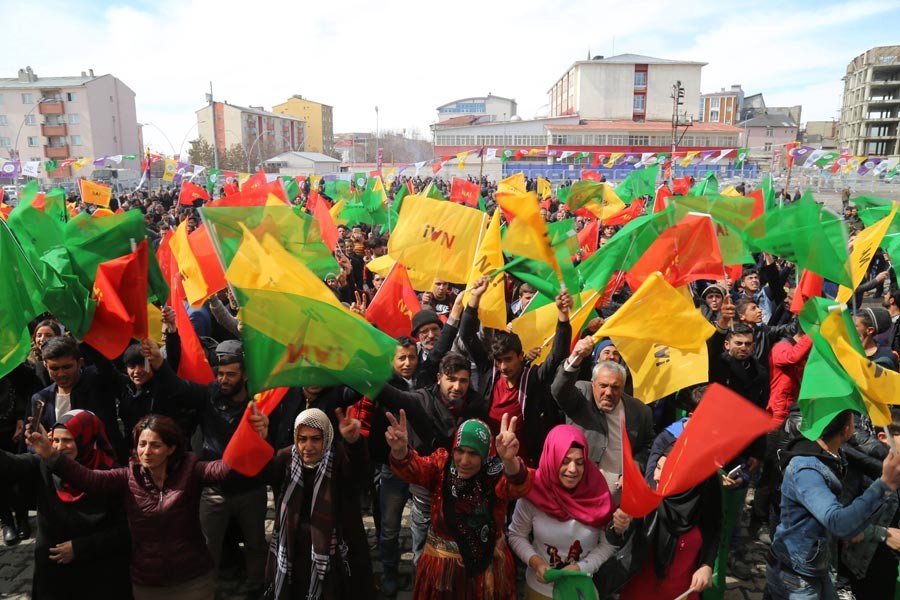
512	471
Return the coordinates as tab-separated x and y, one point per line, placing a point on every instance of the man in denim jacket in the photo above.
811	514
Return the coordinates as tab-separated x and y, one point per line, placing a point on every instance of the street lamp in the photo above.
377	160
186	134
259	154
15	149
171	145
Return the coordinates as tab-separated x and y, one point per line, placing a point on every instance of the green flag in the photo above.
360	181
291	189
741	157
872	210
295	331
21	301
212	178
806	233
570	584
338	189
38	220
826	389
768	188
51	165
707	185
640	182
434	192
296	231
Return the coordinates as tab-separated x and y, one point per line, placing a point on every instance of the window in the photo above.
71	97
640	79
32	141
30	119
74	119
638	140
4	142
3	120
768	147
110	99
769	132
75	140
714	116
639	100
714	103
27	98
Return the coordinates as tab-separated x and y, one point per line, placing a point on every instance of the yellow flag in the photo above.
461	160
512	184
659	313
731	192
489	258
436	238
389	174
335	212
613	159
689	158
864	247
383	265
95	193
543	188
658	370
81	163
527	235
154	323
877	385
243	177
537	328
171	166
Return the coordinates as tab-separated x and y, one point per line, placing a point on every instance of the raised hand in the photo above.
359	307
39	440
258	421
507	443
726	312
348	426
583	347
397	435
564	304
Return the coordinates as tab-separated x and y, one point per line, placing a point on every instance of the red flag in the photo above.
120	289
596	162
685	252
681	186
810	286
312	200
759	207
190	192
247	453
590	175
721	427
329	230
627	214
393	307
587	238
464	192
789	149
663	193
193	365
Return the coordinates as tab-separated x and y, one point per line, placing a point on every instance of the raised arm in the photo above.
561	341
468	326
569	399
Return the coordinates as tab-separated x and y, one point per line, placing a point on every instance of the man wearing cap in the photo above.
435	338
711	301
220	413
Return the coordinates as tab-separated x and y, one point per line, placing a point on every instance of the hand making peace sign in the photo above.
348	426
397	436
507	443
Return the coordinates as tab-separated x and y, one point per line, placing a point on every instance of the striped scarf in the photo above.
321	525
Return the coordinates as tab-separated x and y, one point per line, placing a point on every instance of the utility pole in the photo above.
212	107
677	100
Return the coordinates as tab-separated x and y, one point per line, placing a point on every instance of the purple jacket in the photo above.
167	545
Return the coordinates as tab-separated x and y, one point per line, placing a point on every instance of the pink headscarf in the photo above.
590	502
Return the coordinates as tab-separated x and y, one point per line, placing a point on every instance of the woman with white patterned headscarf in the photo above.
319	547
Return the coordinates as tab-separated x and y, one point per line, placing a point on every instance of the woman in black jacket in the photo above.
82	544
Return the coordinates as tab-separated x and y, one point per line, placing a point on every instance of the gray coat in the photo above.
576	400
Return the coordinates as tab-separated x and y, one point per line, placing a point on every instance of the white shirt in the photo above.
63	405
558	535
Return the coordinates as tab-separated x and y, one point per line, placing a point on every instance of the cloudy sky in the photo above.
407	57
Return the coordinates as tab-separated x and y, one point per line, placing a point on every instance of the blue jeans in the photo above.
784	585
393	494
420	517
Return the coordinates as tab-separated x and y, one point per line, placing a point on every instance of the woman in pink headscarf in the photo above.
567	512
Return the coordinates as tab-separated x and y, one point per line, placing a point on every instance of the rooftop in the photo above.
257	111
645	126
637	59
311	156
769	121
477	98
44	82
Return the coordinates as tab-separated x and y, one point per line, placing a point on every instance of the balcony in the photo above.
57	152
61	173
51	108
54	130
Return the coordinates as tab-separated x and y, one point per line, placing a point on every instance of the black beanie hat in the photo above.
424	317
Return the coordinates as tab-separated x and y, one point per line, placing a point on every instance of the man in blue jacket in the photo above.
812	515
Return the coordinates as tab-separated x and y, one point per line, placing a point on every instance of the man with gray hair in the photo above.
597	407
